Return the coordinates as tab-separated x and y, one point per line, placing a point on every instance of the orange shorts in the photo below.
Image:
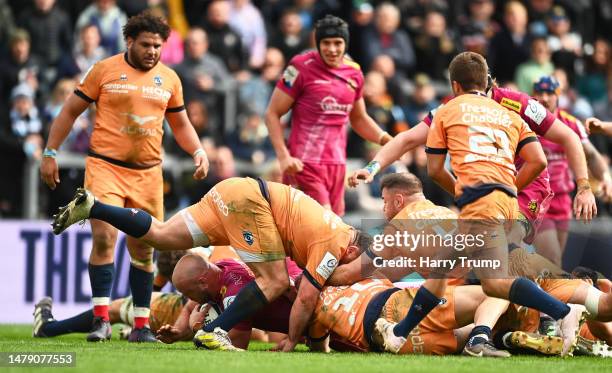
434	335
234	212
496	205
125	187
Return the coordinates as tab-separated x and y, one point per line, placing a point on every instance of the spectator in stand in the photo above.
246	19
435	47
422	100
414	11
291	39
224	41
478	27
598	66
7	26
173	49
385	38
18	67
109	20
539	65
539	11
76	142
255	92
510	46
202	72
20	140
569	99
84	54
396	80
250	141
50	31
381	108
565	45
361	18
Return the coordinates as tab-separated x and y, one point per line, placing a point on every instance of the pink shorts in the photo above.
323	182
534	201
559	213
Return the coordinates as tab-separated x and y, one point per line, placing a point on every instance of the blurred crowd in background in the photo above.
240	48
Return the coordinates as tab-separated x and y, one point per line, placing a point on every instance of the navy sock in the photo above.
527	293
133	222
101	279
80	323
424	301
141	284
476	335
247	303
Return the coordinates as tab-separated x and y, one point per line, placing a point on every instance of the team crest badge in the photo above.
533	206
248	237
157	80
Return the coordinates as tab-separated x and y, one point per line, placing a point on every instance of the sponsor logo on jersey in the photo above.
123	77
157	80
331	106
155	93
248	237
511	104
290	75
535	111
327	265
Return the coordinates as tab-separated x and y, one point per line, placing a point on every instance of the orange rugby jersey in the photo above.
482	138
314	237
341	310
131	105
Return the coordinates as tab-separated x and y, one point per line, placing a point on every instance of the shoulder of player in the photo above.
110	62
303	59
349	62
567	117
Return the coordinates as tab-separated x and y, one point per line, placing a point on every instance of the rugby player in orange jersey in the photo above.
133	93
264	222
482	139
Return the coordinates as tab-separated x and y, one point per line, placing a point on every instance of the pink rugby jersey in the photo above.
275	316
561	178
324	98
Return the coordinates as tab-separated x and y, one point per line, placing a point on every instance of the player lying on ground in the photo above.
166	309
264	222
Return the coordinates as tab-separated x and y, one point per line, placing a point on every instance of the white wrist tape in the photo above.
592	301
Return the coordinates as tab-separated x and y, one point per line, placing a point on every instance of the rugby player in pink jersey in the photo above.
552	236
323	89
533	199
218	283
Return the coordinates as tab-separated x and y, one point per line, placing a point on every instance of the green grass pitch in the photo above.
119	356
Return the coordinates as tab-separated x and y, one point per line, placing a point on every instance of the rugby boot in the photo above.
42	315
141	335
391	342
101	330
77	210
569	327
545	344
218	339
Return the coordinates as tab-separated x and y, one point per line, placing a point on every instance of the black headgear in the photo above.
331	27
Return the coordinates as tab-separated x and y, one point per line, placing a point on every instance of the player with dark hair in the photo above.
323	89
133	94
264	222
552	236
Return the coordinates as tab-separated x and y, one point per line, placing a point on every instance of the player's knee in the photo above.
494	288
103	243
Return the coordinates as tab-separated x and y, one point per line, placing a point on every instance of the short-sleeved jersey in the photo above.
314	237
341	310
324	97
236	275
130	108
561	179
482	138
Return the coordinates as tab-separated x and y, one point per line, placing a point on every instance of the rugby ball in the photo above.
213	312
